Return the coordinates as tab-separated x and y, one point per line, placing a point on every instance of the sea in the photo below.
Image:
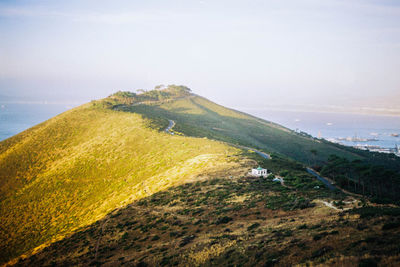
381	130
17	117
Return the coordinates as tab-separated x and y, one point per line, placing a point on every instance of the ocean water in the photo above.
15	118
338	125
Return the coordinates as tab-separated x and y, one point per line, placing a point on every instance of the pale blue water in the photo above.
338	125
15	118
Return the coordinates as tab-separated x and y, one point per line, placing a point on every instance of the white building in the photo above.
259	172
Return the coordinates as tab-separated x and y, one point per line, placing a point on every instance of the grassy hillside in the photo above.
377	177
197	116
73	169
79	178
236	221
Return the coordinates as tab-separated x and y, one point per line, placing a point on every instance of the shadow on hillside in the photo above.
251	132
168	227
165	216
158	229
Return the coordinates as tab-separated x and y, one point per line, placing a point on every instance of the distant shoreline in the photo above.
42	102
394	113
336	125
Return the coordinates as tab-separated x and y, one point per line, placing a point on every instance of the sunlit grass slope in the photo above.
238	221
73	169
197	116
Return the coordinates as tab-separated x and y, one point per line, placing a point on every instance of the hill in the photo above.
82	187
375	175
75	168
200	117
236	221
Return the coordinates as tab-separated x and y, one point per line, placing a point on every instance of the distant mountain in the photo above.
104	183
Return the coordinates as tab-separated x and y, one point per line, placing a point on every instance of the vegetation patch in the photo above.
113	188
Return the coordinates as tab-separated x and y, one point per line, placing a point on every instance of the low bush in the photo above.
223	220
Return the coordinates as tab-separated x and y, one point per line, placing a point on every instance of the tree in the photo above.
314	153
159	87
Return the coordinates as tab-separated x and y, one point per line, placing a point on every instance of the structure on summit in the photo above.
259	172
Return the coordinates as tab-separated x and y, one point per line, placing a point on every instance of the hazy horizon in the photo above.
246	54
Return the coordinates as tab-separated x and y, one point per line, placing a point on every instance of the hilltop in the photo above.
200	117
375	175
75	168
105	184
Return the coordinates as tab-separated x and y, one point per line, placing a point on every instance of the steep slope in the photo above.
197	116
68	175
374	175
73	169
239	221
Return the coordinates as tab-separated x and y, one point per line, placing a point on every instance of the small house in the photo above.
259	172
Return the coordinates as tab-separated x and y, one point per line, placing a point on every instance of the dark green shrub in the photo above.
390	225
303	226
186	240
367	263
156	237
319	252
223	220
253	226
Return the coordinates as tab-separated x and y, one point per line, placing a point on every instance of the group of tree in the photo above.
160	92
376	182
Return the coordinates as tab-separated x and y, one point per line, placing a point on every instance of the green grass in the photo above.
199	117
73	169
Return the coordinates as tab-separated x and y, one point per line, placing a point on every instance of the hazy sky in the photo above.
237	53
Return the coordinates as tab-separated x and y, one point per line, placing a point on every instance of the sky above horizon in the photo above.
238	53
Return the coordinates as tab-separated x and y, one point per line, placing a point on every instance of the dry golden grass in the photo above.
197	258
110	189
70	171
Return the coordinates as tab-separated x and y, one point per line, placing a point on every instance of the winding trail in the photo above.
266	156
309	170
262	154
170	126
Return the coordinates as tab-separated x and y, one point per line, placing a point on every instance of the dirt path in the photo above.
330	205
170	126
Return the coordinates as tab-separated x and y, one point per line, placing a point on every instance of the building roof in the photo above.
259	168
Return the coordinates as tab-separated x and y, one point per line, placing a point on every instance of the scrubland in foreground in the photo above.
103	184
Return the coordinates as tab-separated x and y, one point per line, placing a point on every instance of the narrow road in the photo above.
170	126
266	156
262	154
322	179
